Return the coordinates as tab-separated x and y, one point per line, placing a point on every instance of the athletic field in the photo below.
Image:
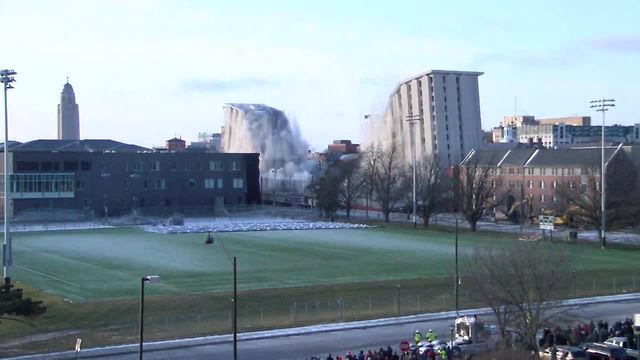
107	263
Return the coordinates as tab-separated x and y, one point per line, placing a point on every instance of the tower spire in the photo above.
67	79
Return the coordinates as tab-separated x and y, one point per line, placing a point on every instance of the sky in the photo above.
145	71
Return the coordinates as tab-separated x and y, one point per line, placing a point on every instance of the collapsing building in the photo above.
258	128
251	128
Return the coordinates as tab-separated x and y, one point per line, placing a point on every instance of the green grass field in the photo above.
286	278
100	264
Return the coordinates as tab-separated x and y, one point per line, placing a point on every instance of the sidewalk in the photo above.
448	220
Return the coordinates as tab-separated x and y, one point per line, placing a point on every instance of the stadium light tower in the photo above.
6	78
412	119
602	105
144	279
210	241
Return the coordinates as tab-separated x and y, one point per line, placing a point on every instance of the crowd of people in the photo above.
570	335
587	332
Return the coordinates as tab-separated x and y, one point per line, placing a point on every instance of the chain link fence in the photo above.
170	317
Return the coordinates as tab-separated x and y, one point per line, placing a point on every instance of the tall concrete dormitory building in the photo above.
448	104
68	115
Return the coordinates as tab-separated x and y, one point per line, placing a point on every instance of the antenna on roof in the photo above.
67	79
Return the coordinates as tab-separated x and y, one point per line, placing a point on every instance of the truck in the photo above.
471	337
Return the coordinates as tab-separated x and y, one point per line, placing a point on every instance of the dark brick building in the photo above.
109	178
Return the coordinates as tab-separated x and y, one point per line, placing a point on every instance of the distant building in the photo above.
517	120
560	134
97	178
448	106
567	120
68	115
343	146
175	145
538	175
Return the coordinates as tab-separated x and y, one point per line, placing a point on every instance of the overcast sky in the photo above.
144	71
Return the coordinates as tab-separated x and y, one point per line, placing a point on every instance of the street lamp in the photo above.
6	78
367	117
602	105
144	279
210	241
412	119
457	279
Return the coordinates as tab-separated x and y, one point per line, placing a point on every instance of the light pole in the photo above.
367	117
457	279
602	105
210	241
412	119
144	279
275	185
6	78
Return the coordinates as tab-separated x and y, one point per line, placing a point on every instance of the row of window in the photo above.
238	183
541	184
213	165
154	165
546	171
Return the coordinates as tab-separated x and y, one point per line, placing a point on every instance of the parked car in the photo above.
623	343
598	351
564	352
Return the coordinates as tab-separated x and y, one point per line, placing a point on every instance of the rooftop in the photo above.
88	145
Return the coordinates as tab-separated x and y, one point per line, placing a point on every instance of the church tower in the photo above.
68	115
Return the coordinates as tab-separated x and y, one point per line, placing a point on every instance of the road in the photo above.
339	342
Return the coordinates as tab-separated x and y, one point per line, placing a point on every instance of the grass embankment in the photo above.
319	277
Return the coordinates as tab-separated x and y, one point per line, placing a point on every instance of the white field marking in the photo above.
47	276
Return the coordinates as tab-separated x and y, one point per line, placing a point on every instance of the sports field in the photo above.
107	263
90	280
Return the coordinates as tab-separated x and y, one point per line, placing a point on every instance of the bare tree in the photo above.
476	190
583	198
430	190
518	282
385	176
352	185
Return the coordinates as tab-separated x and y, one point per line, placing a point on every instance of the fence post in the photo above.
614	285
594	286
341	302
444	301
418	302
573	273
229	322
370	306
398	299
634	281
305	311
262	315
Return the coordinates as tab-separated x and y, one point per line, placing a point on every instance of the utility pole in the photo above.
6	78
603	105
412	119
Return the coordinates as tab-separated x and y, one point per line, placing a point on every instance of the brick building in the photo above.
539	176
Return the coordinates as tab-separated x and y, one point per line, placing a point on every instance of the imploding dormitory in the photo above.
83	179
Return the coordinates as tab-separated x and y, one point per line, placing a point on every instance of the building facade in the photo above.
539	175
552	135
68	115
446	105
108	178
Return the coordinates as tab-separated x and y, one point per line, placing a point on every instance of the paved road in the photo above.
339	342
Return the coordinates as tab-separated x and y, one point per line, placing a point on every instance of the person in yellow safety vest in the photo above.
417	336
442	353
431	336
